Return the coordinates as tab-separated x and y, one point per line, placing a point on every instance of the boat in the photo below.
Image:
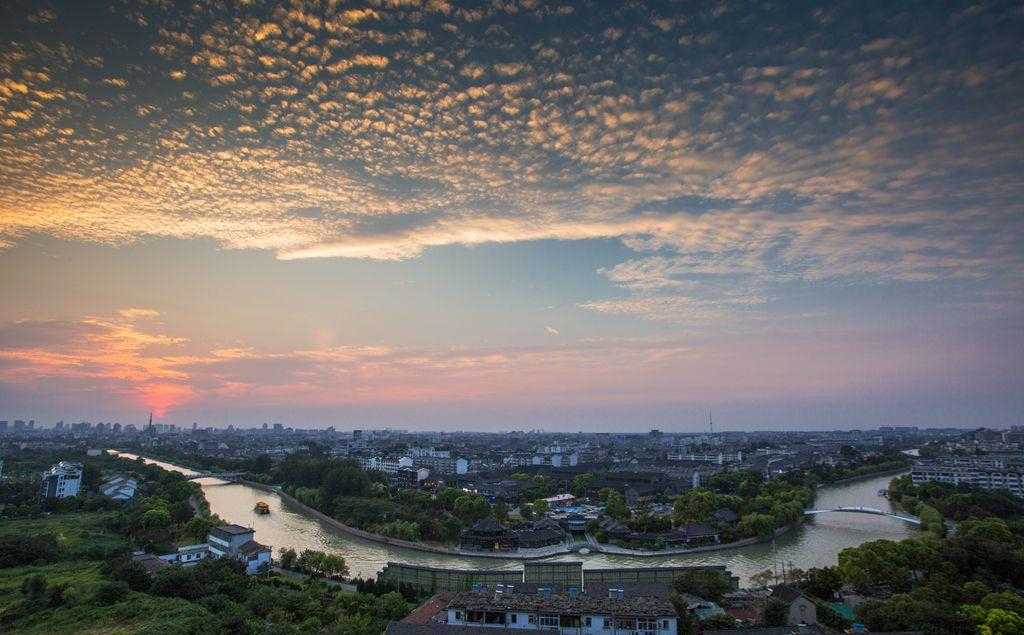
262	508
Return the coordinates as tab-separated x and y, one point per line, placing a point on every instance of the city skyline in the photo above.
515	215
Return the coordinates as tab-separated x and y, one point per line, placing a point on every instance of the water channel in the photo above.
815	544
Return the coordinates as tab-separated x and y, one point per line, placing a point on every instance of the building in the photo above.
799	608
718	458
234	541
387	464
120	488
568	609
63	480
189	555
983	475
559	501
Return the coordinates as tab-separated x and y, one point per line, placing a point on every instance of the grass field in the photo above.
81	534
136	613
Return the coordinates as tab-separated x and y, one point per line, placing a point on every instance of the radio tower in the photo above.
711	423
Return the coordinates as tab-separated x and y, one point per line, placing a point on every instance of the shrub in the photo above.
112	592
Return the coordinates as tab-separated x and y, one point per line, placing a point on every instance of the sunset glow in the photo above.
517	214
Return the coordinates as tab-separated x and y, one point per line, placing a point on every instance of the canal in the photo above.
814	544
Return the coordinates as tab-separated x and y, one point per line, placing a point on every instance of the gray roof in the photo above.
582	604
233	530
404	628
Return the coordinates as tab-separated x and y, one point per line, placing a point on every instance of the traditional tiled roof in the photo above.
583	604
405	628
252	547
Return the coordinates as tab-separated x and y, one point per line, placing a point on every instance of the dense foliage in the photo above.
67	570
963	582
362	499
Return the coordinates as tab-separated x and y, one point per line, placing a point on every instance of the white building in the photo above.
189	555
62	480
233	541
719	458
570	611
980	476
386	464
556	459
560	500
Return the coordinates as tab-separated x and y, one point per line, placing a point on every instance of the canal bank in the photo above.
813	544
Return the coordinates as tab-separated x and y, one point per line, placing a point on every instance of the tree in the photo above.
615	505
288	558
470	507
876	566
755	524
500	512
155	519
111	592
997	621
776	613
822	583
262	464
695	506
540	506
581	483
686	623
333	565
710	584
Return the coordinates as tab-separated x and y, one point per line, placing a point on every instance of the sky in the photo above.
512	214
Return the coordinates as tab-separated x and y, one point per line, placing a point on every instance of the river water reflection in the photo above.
815	544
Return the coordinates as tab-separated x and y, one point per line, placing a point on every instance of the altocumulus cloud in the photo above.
890	153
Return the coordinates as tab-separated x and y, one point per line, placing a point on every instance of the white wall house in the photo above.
572	613
189	555
62	481
234	541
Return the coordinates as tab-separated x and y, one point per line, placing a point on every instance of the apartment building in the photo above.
983	475
63	480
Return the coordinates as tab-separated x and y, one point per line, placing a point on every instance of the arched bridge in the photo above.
224	476
913	520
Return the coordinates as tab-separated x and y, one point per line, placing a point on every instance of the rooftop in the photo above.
581	604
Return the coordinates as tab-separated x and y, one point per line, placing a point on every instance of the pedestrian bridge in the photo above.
224	476
913	520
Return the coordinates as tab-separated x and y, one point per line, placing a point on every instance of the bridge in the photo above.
224	476
913	520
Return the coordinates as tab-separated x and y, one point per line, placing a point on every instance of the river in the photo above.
814	544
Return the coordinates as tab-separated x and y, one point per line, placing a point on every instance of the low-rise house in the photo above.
234	541
120	488
560	500
63	480
724	516
542	533
801	610
487	535
189	555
